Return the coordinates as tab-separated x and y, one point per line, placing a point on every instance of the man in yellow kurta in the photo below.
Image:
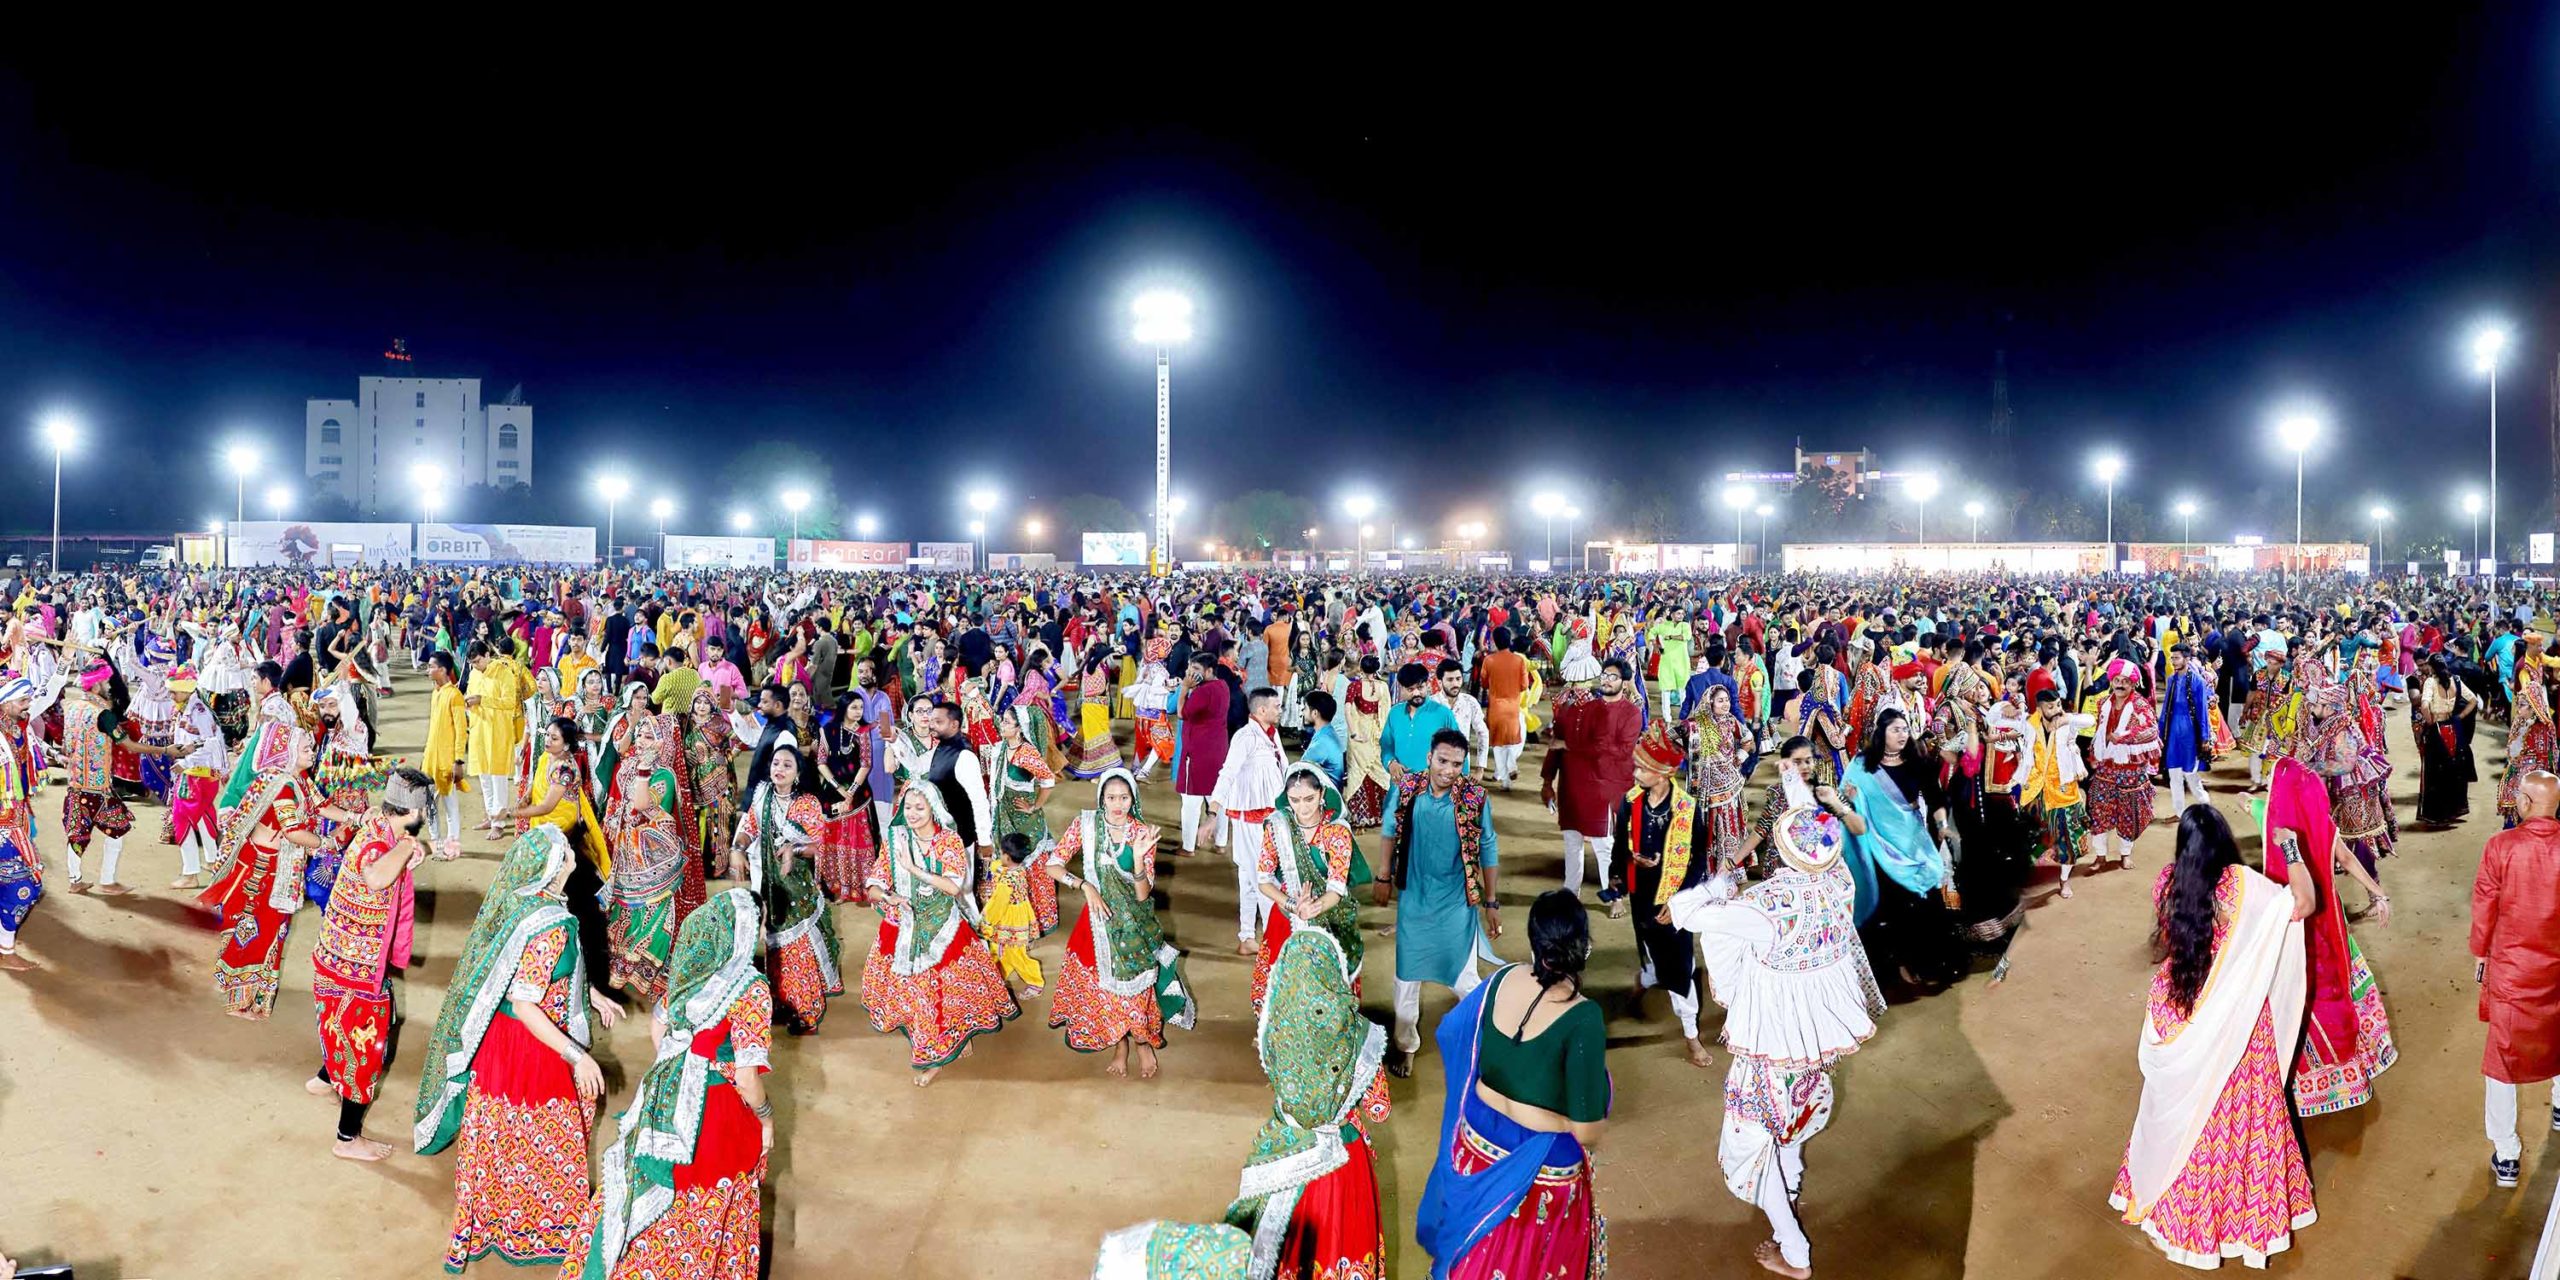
499	686
448	734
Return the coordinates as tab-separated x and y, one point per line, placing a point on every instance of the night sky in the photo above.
1442	291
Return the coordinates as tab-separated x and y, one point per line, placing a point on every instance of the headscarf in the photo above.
713	965
1321	1056
1343	919
517	907
933	918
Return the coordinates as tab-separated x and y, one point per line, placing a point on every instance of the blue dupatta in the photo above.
1897	842
1459	1210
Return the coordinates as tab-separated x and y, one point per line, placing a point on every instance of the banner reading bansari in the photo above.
545	544
809	554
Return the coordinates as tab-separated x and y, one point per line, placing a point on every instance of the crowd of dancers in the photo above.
693	775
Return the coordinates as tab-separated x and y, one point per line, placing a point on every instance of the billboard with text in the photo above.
1115	550
440	543
948	556
809	554
317	544
694	551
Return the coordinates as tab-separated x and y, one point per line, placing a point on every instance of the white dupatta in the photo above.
2260	967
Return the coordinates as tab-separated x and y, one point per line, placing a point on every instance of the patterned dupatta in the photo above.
1132	957
714	964
517	908
1321	1056
933	917
794	905
1303	868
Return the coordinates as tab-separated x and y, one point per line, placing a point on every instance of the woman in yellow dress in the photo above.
495	698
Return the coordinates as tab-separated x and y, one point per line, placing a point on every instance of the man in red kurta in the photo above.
2515	937
1590	766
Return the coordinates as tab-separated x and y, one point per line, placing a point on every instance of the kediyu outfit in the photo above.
507	1103
677	1193
1121	979
1784	960
928	974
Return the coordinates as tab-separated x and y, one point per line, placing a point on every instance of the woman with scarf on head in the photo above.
777	838
1307	870
848	847
563	798
2346	1040
2530	735
509	1082
1121	983
928	974
678	1192
710	745
649	859
1898	819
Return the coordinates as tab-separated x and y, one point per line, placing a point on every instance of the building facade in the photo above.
367	449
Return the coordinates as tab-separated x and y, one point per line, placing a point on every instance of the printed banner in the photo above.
697	551
809	554
957	556
317	544
1021	561
2541	547
1115	550
440	543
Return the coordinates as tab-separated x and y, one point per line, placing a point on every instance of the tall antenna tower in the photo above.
2002	420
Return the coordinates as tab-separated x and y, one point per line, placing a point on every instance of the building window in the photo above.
422	399
422	424
506	466
507	435
330	459
329	431
330	476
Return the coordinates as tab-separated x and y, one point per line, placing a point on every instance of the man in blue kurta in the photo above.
1412	724
1441	880
2186	730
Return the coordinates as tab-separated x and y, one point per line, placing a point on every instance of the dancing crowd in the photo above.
1804	798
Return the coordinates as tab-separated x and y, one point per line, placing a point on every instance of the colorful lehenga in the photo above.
1121	979
1097	752
800	934
257	884
927	974
2530	735
1310	1190
1021	786
2346	1040
709	745
1308	865
649	862
1365	779
678	1192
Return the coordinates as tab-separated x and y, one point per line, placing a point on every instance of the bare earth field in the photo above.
144	1134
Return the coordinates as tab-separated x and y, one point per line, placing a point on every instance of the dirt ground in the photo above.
144	1134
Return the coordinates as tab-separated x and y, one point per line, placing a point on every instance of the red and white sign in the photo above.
808	554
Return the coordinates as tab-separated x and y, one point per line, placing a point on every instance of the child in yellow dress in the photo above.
1011	923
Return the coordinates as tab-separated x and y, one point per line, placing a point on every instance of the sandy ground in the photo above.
147	1135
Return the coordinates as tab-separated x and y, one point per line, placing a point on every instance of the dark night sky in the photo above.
1438	291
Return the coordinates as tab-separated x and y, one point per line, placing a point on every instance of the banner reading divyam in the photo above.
319	544
699	551
808	554
545	544
1115	550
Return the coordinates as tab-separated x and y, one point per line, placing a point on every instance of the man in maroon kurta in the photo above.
1204	742
2515	937
1590	766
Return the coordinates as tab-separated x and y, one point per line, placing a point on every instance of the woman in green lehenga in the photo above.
1307	871
1121	982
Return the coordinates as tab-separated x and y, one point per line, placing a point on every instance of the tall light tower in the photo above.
1922	487
615	488
2186	509
1739	499
2107	467
982	500
243	459
1572	514
795	501
279	497
1973	512
2471	508
1548	506
1767	510
2381	516
741	520
1358	506
429	478
1164	321
662	506
2298	431
866	524
2486	346
61	433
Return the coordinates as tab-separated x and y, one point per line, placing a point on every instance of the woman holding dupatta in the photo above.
1309	1194
1306	872
928	974
778	835
2346	1037
1121	982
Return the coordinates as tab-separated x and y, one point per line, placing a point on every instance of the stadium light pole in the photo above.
741	520
1973	512
983	501
1922	487
2471	508
866	524
2107	467
1739	499
2186	509
615	488
1547	504
1358	506
1571	515
2381	516
243	459
429	478
1766	510
2298	431
978	535
61	433
278	498
1164	322
2489	343
662	507
795	501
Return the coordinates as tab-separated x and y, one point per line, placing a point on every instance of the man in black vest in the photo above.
775	707
954	770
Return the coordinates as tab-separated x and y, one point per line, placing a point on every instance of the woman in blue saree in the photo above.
1897	832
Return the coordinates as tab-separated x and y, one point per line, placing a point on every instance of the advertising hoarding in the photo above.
1959	557
951	556
809	554
441	543
319	544
1020	561
695	551
1115	550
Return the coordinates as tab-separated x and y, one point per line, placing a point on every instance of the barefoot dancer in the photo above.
1121	982
1662	846
927	975
364	937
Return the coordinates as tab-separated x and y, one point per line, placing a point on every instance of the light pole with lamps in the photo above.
1922	487
1973	512
2298	431
1547	504
614	488
2381	516
243	459
2186	509
866	524
2471	508
1571	515
2486	346
1739	499
741	520
2107	467
978	535
61	433
981	500
1164	320
1358	506
1766	510
795	501
662	507
278	498
429	478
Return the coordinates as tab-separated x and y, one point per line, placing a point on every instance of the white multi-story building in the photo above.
366	449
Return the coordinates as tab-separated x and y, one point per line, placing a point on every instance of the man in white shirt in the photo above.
1242	798
1451	691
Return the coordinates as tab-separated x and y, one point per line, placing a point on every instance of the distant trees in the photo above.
1260	519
